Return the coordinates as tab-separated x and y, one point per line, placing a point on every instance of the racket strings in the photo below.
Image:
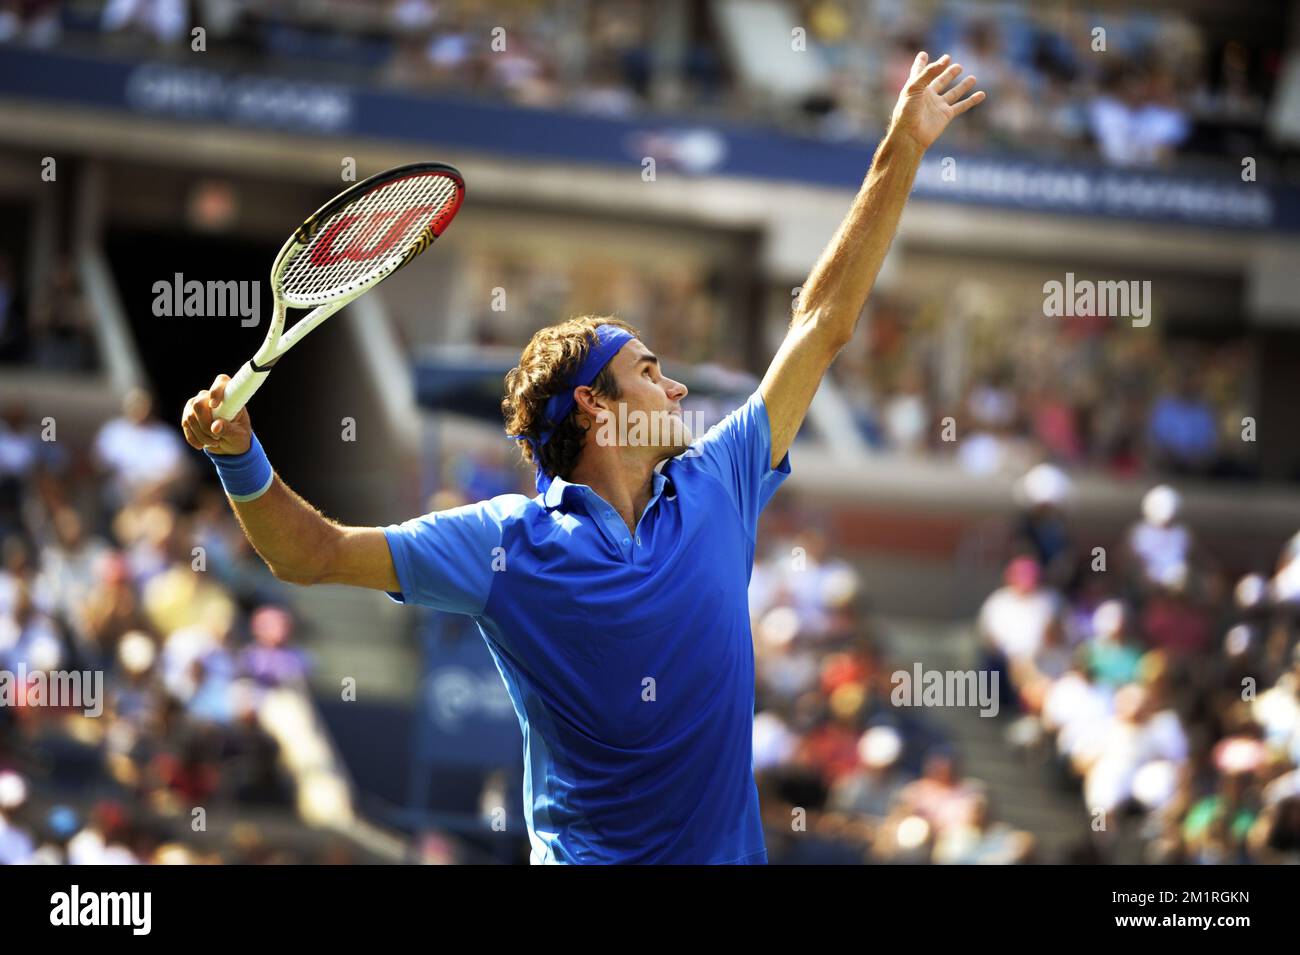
324	269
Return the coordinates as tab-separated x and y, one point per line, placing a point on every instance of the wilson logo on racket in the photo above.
359	249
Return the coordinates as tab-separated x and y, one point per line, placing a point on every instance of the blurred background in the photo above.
1105	512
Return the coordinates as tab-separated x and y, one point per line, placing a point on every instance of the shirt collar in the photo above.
554	495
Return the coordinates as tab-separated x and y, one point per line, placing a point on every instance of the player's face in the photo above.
652	409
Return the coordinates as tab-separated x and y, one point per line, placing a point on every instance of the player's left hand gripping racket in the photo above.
347	247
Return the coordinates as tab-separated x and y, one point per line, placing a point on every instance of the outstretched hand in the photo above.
929	101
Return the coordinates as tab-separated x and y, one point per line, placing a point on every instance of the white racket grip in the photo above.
239	389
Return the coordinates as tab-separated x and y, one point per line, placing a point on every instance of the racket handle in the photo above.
239	389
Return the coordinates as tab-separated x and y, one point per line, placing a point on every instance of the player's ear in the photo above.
589	402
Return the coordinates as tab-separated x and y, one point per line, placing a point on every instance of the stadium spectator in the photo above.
1184	433
16	843
163	20
143	456
872	788
1015	623
36	22
1160	544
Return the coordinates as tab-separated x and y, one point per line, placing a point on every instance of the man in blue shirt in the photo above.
614	601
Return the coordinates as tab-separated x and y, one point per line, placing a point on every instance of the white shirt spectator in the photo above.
16	846
774	744
139	454
1277	710
66	578
1162	550
17	452
906	419
1163	738
1077	710
1017	623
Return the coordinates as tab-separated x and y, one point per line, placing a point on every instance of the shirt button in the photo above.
626	541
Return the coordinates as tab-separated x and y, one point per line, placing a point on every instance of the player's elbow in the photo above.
303	577
826	327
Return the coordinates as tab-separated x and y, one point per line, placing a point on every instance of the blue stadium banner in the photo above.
169	90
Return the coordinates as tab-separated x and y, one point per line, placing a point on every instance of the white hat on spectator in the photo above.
1250	591
1237	640
1155	783
779	626
136	652
1161	505
1108	618
1045	485
839	586
879	747
13	790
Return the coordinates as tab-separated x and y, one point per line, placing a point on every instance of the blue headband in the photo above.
610	339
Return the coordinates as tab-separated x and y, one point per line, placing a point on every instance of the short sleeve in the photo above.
738	452
444	560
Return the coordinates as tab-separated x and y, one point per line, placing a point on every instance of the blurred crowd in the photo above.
117	560
55	330
1150	86
1163	693
1154	86
680	307
1155	694
844	775
1020	388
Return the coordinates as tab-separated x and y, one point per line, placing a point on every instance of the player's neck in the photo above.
624	481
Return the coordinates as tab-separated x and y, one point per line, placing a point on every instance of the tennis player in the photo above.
614	602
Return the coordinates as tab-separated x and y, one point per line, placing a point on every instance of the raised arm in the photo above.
298	543
837	288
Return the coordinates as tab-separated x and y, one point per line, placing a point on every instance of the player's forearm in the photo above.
289	534
840	282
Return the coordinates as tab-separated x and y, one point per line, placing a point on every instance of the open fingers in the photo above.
958	91
946	76
930	73
970	101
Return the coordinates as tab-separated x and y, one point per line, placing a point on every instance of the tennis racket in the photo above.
343	250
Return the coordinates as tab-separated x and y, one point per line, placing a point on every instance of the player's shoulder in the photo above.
735	425
505	508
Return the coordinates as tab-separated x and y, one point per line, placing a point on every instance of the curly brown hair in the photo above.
549	360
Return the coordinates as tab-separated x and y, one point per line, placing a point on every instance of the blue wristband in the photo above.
246	476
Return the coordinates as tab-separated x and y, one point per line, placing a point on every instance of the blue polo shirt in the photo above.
627	655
